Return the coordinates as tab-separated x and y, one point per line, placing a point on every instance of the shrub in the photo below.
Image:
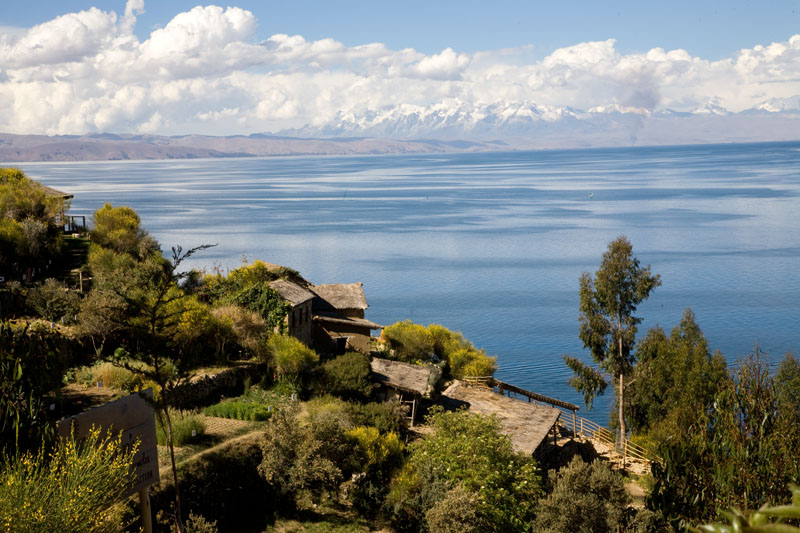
470	450
198	524
457	512
239	410
296	461
53	301
375	451
72	489
480	365
118	228
445	341
412	342
243	327
109	374
409	341
347	376
290	356
385	416
471	362
585	497
187	427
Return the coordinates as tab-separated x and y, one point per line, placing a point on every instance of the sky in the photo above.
173	67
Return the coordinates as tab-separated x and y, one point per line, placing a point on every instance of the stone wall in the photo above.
208	390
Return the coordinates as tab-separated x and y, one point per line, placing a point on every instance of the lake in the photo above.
493	244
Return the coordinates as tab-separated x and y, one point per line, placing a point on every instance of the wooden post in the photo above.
413	411
624	450
581	427
145	511
574	426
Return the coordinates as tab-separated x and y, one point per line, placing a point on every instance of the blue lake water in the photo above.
492	245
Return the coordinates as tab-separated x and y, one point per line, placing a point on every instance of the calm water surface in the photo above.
492	245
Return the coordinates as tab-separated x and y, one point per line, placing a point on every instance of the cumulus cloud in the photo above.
206	71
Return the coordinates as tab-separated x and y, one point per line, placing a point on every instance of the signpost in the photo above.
133	416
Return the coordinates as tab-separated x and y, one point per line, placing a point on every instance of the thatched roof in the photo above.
55	192
339	296
401	376
291	292
332	318
526	424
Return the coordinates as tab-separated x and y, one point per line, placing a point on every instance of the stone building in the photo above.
298	320
339	323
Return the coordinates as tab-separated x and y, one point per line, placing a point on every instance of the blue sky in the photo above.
710	29
173	67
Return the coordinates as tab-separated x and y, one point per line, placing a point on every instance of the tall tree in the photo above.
608	325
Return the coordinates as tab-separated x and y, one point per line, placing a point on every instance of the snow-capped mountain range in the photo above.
602	125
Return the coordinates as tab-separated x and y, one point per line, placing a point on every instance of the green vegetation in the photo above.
248	287
411	342
766	519
466	453
253	405
346	376
187	427
675	378
74	488
741	452
290	356
608	326
54	301
327	457
30	233
585	497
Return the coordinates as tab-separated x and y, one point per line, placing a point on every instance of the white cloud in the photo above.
70	37
206	71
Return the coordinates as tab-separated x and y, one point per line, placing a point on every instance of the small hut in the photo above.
402	381
526	424
339	318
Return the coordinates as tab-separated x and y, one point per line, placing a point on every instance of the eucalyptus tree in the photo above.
608	301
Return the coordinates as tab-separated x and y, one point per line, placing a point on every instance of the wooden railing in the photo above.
512	391
584	428
578	426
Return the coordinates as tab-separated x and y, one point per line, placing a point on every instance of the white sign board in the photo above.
134	417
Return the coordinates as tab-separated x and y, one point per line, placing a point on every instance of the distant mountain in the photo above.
449	126
106	147
542	126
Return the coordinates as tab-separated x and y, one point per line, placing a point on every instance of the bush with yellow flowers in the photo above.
72	488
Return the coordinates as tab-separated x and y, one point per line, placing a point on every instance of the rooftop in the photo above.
340	296
401	376
291	292
526	424
333	318
55	192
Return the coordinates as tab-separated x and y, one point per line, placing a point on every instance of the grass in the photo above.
187	427
254	405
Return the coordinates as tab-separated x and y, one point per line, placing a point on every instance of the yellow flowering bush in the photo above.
73	488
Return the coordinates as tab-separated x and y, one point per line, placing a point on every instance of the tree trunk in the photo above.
178	518
621	417
621	393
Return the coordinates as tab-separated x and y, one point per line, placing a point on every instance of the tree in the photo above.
29	224
118	228
741	452
608	326
675	377
586	497
141	302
